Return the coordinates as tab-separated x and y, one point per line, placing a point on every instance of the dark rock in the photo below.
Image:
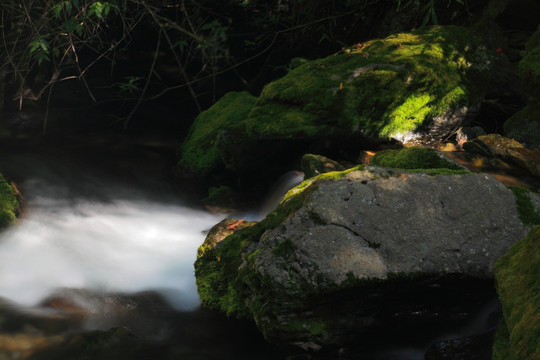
474	347
494	145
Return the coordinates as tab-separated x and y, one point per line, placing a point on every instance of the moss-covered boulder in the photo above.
414	87
518	284
216	135
414	158
386	88
346	251
9	205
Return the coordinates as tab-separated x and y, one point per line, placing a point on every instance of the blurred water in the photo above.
87	227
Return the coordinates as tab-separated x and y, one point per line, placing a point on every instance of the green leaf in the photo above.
57	9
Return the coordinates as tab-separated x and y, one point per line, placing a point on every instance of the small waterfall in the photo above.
285	182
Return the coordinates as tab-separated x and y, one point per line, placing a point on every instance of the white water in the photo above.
106	226
82	229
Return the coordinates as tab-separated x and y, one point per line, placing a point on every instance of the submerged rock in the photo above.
347	252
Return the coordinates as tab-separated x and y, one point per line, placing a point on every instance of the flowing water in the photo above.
104	233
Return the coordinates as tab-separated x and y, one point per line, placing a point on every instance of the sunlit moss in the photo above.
413	158
389	86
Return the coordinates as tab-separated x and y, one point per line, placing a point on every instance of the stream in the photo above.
105	240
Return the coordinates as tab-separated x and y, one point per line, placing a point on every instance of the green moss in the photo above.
413	158
309	328
501	345
525	207
391	85
215	133
387	88
9	205
518	285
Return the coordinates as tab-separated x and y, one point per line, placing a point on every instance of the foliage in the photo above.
427	7
45	42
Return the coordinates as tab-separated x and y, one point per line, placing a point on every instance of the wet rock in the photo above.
495	145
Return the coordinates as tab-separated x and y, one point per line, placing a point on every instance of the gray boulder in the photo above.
354	252
406	223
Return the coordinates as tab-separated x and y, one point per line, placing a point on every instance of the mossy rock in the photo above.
216	135
524	126
380	89
9	206
518	283
313	165
413	158
422	84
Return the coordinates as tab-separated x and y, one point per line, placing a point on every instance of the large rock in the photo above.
354	249
415	87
